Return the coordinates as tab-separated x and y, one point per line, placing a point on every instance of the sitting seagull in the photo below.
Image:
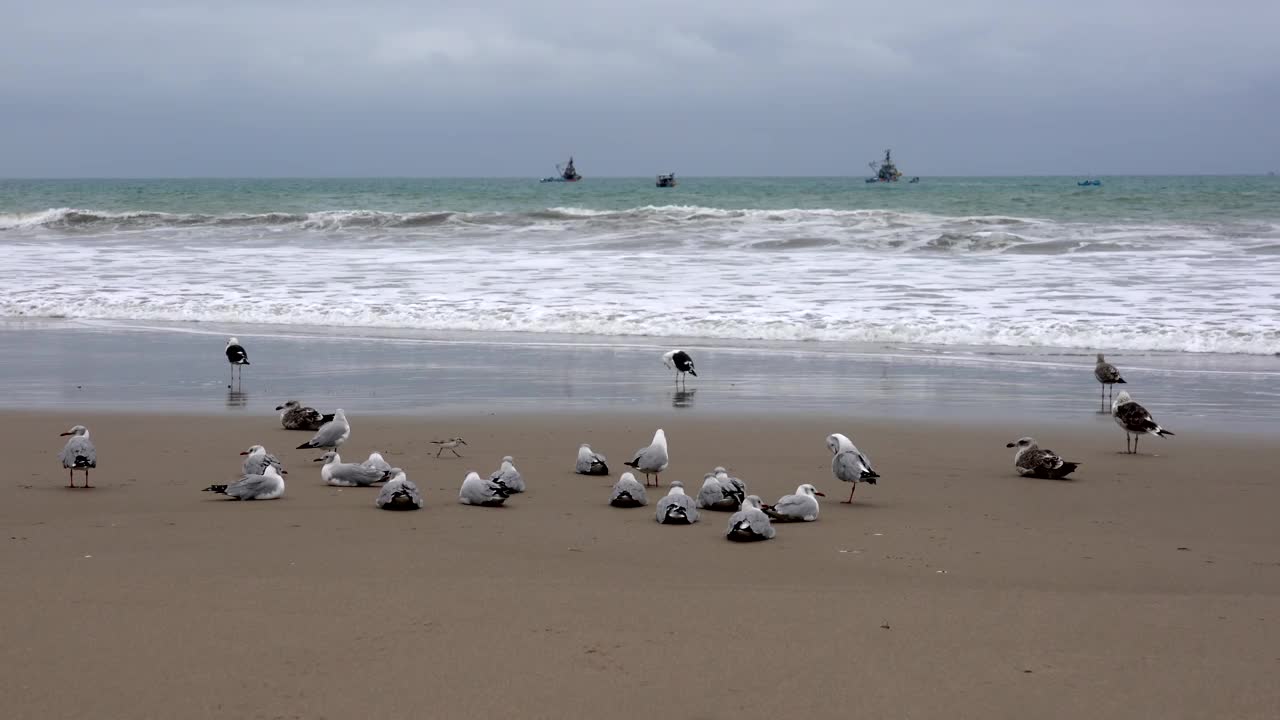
849	465
488	493
732	484
376	462
714	495
679	361
1135	420
332	434
1031	460
1109	376
267	486
258	459
451	445
78	454
801	506
236	356
651	460
508	475
340	474
399	494
294	416
590	462
628	493
750	524
677	508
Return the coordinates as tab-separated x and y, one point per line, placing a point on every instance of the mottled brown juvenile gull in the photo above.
1109	376
295	416
1032	461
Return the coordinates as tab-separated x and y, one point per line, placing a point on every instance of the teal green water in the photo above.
1138	199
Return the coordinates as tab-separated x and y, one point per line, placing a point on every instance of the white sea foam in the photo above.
823	275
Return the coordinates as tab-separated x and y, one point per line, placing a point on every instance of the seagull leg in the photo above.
71	478
1136	438
851	491
86	479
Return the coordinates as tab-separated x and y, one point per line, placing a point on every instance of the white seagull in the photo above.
849	465
801	506
652	460
78	454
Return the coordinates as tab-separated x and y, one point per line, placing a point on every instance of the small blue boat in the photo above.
1090	183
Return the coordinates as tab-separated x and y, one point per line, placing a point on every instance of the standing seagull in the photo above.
1108	375
590	462
267	486
399	494
750	524
677	508
78	454
679	361
849	465
651	460
1134	420
1031	460
331	434
236	356
801	506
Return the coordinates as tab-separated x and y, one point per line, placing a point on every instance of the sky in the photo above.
141	88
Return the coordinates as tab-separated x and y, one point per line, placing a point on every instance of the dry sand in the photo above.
1145	588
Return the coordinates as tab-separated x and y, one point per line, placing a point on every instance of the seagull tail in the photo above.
1160	432
1066	469
693	372
305	445
869	477
220	489
1122	381
633	464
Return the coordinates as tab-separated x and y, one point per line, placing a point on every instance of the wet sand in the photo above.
1148	586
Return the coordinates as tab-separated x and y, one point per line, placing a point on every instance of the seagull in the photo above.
376	462
340	474
590	462
1031	460
236	355
399	494
295	416
677	508
849	465
716	495
331	434
628	493
267	486
679	361
750	524
652	460
258	459
78	454
731	483
1108	375
508	475
451	445
487	493
799	507
1135	420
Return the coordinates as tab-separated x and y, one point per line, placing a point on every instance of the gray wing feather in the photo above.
512	480
390	490
353	474
756	521
79	449
651	458
631	487
847	466
249	486
328	434
683	501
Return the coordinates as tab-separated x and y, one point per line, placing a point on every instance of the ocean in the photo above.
1167	264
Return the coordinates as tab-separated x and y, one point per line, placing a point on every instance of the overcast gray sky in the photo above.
704	87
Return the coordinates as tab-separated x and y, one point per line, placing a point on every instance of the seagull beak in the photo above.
1011	444
283	472
819	493
279	407
63	434
318	460
244	452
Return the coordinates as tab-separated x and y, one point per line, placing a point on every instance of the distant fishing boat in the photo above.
1090	183
566	174
668	180
884	171
914	180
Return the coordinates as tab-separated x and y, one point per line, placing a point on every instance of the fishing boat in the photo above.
568	173
884	171
914	180
1090	183
668	180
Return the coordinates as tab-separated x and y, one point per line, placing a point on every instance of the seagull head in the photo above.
1024	442
254	450
626	476
77	430
374	456
288	405
1100	359
837	442
751	501
660	439
508	460
233	341
807	489
677	488
1121	399
328	457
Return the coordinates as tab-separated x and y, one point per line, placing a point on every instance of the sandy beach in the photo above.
1146	587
